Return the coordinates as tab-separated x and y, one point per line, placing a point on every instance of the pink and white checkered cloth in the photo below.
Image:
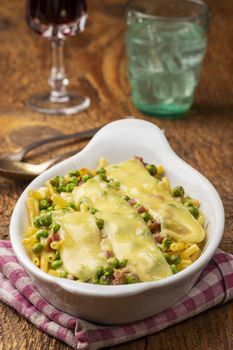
214	286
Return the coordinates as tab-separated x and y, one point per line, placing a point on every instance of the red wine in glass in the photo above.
56	19
66	16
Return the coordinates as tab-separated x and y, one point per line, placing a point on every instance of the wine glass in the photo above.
56	19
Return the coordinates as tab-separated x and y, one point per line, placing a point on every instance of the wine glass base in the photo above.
70	105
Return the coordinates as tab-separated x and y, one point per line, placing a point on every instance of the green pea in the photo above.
132	278
63	274
55	227
43	204
188	203
57	255
59	183
43	220
146	216
123	263
100	223
99	272
74	173
70	187
36	221
178	191
56	264
114	262
41	234
61	180
103	177
95	280
104	280
72	205
175	259
74	180
101	171
92	210
152	169
117	184
46	220
174	269
50	208
55	181
108	271
194	211
61	188
167	242
167	257
86	177
37	248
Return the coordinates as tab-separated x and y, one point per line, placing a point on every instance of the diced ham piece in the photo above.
141	209
56	237
109	254
119	276
141	160
132	201
155	227
116	281
49	240
158	238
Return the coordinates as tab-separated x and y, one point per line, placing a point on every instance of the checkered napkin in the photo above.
215	286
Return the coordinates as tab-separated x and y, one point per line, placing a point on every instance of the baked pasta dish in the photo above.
119	224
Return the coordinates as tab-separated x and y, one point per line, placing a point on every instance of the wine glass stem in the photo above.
58	80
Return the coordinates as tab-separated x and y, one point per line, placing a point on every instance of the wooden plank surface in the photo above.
96	65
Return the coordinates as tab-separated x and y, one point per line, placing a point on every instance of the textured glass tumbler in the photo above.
165	42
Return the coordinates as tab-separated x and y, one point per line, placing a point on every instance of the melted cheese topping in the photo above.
180	225
125	232
175	218
132	240
80	252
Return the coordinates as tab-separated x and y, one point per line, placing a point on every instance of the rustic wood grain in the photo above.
96	65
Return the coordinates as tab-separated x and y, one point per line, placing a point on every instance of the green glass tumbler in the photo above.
166	43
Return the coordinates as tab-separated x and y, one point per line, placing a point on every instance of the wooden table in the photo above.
96	65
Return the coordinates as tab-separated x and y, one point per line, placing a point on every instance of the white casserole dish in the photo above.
119	141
